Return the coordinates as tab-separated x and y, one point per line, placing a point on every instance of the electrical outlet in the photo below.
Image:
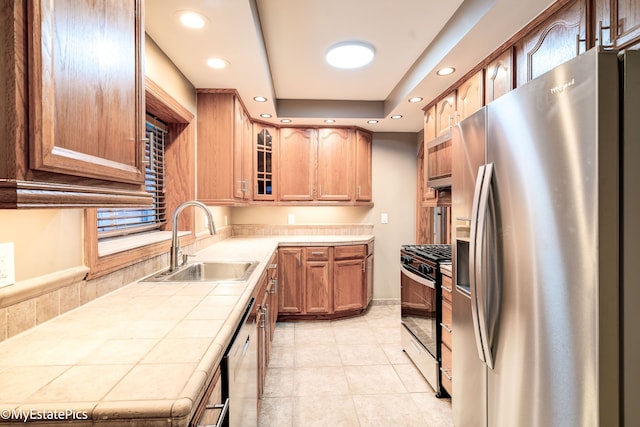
7	268
291	219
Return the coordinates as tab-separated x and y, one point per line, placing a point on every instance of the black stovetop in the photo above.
433	252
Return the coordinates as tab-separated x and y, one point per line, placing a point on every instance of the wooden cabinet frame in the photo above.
41	168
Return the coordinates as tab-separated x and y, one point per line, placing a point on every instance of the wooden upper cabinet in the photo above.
551	43
430	123
618	23
265	139
335	163
445	114
363	167
470	96
499	77
215	148
242	152
296	164
73	104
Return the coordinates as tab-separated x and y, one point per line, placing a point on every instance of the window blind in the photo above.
123	221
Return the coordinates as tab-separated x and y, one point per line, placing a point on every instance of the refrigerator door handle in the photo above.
481	267
473	264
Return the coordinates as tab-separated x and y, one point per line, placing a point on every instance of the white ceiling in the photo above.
275	48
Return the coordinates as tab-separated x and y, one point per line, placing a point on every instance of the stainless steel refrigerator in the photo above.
545	190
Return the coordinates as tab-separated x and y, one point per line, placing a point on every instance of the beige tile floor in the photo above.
349	372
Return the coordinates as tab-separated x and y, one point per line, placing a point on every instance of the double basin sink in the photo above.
207	272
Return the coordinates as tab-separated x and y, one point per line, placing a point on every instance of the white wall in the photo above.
394	193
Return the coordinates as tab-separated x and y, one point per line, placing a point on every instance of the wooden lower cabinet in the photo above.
349	278
317	286
290	280
324	282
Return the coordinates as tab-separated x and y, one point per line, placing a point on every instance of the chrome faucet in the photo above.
175	244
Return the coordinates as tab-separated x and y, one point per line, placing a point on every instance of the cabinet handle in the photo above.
364	267
274	286
298	258
317	253
446	327
221	417
273	266
446	374
600	28
447	289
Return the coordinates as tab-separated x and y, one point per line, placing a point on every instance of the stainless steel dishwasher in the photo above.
241	372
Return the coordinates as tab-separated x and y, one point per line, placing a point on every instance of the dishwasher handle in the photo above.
221	416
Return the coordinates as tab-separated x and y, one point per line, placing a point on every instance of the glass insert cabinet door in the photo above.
265	140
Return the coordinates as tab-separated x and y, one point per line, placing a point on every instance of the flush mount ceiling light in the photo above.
396	117
285	120
329	121
415	99
265	115
260	99
192	19
372	122
351	54
446	71
217	63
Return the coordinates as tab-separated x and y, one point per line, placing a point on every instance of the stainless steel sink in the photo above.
224	271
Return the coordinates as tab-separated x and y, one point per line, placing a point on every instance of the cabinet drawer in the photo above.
447	288
446	323
446	369
317	253
352	251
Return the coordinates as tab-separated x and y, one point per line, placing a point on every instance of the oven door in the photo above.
419	323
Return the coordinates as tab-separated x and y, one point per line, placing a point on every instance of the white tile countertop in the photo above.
141	353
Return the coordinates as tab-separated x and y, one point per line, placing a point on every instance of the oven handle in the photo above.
421	280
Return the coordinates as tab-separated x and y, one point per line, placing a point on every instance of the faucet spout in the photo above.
175	244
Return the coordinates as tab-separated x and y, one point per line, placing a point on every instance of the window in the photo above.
124	221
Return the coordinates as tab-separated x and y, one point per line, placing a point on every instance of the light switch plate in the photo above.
7	268
384	218
291	219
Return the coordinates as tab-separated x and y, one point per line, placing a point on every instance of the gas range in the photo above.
432	252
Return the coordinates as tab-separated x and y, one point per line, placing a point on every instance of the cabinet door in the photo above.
296	153
335	160
317	287
242	152
363	167
215	156
86	105
551	43
290	280
264	150
499	77
348	284
369	272
470	96
430	123
618	23
445	114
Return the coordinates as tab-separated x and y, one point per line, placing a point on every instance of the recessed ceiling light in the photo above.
396	116
350	54
415	99
260	99
329	121
372	122
192	19
218	63
265	115
445	71
286	120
